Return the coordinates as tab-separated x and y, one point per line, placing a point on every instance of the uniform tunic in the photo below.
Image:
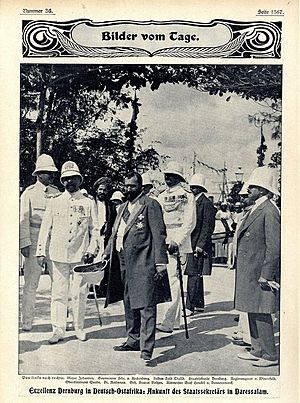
179	212
32	207
70	223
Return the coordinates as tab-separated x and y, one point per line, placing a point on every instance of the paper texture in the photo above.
149	33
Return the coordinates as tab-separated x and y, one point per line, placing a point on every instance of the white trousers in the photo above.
63	281
243	327
172	317
32	274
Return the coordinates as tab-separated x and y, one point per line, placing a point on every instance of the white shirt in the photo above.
123	224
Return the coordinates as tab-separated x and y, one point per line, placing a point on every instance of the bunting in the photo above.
218	171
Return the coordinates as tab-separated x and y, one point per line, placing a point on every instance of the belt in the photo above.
33	225
173	225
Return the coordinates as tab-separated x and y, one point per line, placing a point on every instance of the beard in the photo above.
130	196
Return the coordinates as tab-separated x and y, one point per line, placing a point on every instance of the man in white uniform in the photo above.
32	207
179	212
70	221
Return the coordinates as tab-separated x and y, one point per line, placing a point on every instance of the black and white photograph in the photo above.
150	219
149	237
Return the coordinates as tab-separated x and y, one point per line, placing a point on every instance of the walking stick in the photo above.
96	302
179	271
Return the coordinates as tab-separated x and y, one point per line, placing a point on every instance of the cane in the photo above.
182	294
96	302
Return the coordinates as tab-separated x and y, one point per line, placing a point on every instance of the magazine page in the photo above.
149	177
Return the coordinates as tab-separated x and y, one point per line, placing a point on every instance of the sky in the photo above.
185	120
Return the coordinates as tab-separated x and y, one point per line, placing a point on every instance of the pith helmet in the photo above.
117	195
174	168
266	178
244	190
70	168
146	179
198	180
44	163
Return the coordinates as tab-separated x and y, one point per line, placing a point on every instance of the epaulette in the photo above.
88	196
29	187
53	187
54	196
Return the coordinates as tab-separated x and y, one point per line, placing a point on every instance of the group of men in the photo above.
143	239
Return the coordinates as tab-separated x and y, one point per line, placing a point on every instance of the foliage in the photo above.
233	195
61	106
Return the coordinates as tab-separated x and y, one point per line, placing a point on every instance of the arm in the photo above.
45	230
208	225
271	262
25	208
93	231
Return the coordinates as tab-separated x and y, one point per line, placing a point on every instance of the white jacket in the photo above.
70	221
179	210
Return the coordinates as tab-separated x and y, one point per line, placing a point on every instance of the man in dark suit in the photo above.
106	210
199	262
138	258
258	267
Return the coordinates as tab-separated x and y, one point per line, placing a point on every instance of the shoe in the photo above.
56	337
146	358
69	327
264	363
162	328
126	347
199	309
247	355
237	337
188	313
178	327
81	335
27	326
240	343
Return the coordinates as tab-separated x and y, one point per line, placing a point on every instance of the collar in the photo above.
199	195
258	202
75	195
174	188
39	185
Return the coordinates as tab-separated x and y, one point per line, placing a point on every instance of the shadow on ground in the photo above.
199	339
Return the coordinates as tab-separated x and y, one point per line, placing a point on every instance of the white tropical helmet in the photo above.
146	179
174	168
198	180
244	190
117	195
44	163
70	168
266	178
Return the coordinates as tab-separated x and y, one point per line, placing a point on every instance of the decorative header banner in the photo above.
219	38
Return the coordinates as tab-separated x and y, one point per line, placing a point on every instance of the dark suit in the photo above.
131	275
106	231
258	255
198	266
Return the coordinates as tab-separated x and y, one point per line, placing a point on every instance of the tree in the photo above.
62	103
